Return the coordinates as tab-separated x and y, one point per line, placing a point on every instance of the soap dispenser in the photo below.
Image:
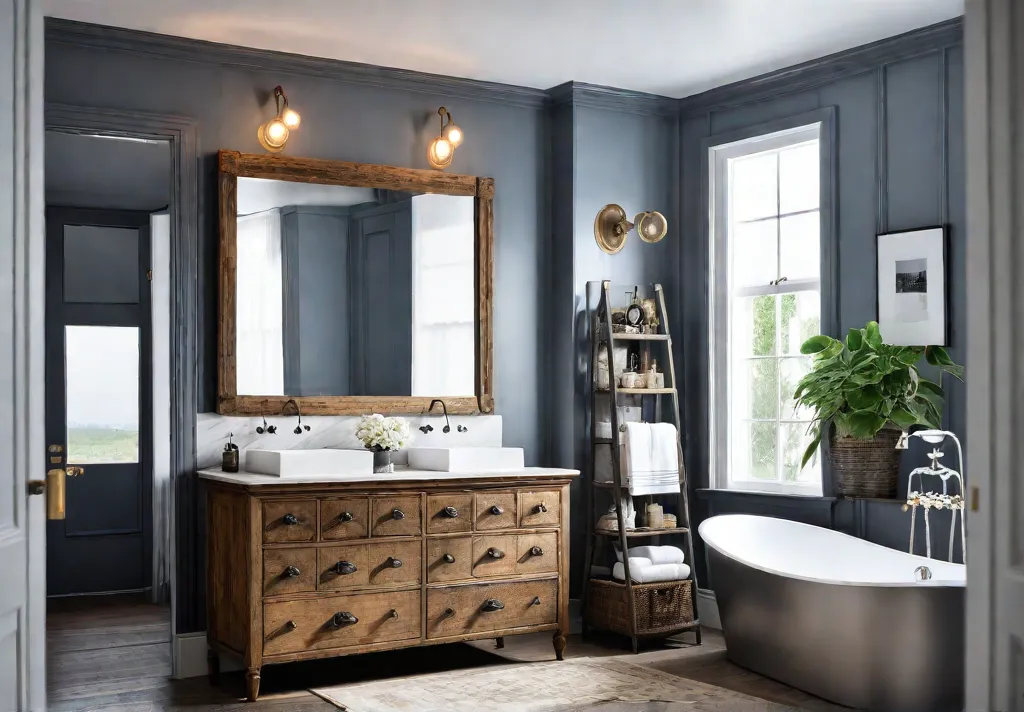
229	458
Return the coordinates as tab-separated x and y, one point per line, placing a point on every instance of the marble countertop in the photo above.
401	474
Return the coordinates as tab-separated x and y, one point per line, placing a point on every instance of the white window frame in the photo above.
719	156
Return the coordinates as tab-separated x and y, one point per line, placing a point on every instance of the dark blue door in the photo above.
98	398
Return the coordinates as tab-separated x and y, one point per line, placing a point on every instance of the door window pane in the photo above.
101	265
102	388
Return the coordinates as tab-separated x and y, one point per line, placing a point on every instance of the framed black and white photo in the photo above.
912	287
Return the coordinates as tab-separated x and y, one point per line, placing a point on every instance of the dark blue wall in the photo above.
900	165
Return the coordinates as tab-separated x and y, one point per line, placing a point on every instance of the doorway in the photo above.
106	206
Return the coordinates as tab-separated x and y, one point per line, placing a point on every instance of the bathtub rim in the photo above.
921	560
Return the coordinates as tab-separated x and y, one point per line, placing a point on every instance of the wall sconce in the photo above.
273	135
611	227
441	150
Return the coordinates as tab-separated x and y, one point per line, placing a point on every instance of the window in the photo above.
444	296
259	324
765	301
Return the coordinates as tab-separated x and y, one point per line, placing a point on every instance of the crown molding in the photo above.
182	49
623	100
824	70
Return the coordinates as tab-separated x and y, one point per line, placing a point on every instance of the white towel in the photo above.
657	554
652	573
650	458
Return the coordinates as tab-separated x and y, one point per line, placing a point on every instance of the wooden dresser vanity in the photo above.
302	568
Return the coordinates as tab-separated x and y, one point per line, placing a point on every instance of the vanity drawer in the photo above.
342	567
289	520
289	571
460	610
537	553
439	551
344	518
495	510
448	513
339	621
394	563
494	555
540	509
396	516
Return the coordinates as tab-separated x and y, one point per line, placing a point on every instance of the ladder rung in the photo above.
642	532
638	337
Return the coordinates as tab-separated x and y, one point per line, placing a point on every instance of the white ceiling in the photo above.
670	47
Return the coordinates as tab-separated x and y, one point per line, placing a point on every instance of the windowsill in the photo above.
711	492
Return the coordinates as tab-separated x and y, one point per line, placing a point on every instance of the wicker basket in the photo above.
662	608
865	468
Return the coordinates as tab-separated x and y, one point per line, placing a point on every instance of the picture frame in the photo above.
911	284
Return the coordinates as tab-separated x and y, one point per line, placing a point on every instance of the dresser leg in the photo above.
559	642
213	665
252	682
499	642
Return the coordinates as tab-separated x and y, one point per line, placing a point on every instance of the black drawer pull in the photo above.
495	553
343	618
448	613
290	519
345	567
345	517
397	514
451	512
394	563
536	551
541	508
290	625
290	571
496	510
392	613
535	601
448	559
492	604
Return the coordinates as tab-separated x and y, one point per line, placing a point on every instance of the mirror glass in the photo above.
352	291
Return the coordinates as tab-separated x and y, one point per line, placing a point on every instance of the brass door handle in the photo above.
74	470
55	490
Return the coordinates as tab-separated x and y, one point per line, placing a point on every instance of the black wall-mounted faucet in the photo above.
300	427
268	429
447	425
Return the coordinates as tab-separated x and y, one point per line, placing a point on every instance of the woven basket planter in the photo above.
662	608
865	468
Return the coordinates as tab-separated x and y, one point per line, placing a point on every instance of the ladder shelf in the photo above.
603	336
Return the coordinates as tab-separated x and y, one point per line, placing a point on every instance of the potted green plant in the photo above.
863	394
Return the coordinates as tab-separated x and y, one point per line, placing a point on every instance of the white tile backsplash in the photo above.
337	431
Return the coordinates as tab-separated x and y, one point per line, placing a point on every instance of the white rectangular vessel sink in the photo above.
300	463
466	459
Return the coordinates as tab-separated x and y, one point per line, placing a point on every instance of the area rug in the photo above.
589	684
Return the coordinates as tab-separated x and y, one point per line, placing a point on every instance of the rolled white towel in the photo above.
657	554
653	573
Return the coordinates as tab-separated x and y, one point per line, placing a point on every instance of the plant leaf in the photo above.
867	398
811	450
855	339
903	418
872	336
864	424
816	344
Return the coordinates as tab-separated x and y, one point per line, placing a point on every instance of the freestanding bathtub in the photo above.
837	616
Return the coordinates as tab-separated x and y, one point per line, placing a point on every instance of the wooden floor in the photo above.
113	653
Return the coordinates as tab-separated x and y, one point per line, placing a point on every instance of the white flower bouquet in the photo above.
380	434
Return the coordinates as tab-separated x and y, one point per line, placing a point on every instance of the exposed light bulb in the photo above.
273	135
291	118
276	131
454	135
442	148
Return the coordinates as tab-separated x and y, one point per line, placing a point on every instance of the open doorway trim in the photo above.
182	133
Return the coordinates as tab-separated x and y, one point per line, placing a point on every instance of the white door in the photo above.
994	53
22	456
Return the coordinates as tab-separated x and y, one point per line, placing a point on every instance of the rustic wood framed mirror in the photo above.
353	288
